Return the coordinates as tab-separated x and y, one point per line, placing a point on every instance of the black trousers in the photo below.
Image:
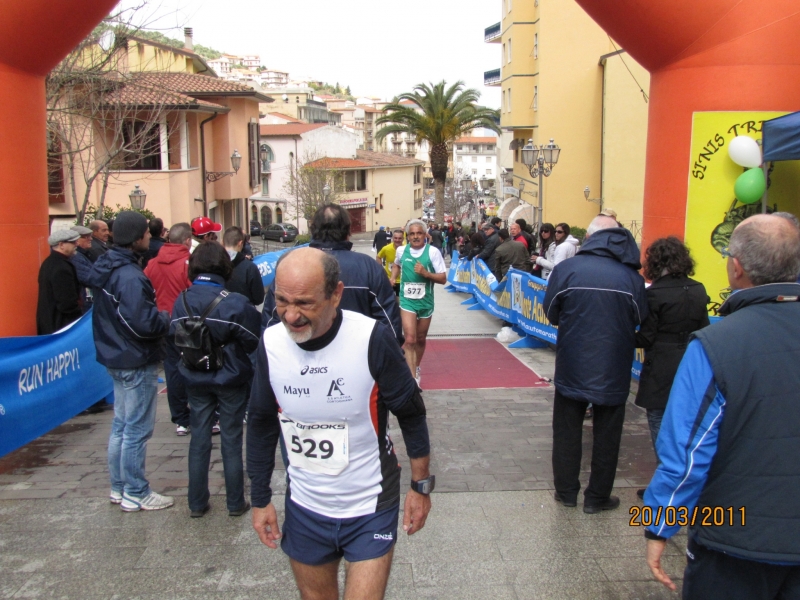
607	423
712	574
176	386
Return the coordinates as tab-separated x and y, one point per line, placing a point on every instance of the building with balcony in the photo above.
299	103
288	147
476	157
562	77
172	127
377	188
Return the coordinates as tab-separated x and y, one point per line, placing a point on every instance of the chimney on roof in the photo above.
187	37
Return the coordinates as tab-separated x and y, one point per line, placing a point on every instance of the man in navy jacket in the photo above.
597	299
128	335
366	288
730	437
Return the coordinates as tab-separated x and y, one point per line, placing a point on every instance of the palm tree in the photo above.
440	115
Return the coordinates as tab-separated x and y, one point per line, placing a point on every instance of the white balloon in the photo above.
744	151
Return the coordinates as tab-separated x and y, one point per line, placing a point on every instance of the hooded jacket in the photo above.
168	271
128	327
597	299
486	253
557	253
246	280
234	323
366	289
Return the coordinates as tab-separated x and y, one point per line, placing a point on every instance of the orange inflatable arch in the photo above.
716	55
34	36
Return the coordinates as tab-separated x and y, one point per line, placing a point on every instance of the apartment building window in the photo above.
254	160
417	174
489	147
55	172
355	181
536	97
474	171
474	159
504	53
509	99
460	147
460	158
509	50
488	171
143	146
535	45
265	186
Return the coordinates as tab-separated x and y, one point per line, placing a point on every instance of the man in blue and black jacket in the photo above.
128	335
597	299
367	290
730	439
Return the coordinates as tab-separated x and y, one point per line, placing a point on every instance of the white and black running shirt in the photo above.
348	378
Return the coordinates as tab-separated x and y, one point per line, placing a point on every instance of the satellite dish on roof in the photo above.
285	98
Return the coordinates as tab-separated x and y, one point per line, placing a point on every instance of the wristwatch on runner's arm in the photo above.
424	486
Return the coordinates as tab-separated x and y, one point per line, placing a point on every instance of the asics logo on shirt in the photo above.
313	370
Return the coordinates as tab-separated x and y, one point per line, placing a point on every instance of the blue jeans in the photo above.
232	403
134	418
654	416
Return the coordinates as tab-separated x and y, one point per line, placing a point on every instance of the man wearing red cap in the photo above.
204	230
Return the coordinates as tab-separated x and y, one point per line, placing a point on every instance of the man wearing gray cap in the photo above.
59	291
82	261
128	335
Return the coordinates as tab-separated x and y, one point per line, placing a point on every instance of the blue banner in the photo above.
46	380
518	299
266	264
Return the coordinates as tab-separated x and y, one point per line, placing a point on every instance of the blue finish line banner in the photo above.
518	299
46	380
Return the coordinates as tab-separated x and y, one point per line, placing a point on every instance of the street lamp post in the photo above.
137	198
236	162
540	162
599	201
326	193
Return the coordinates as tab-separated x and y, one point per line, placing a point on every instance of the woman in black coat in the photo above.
677	308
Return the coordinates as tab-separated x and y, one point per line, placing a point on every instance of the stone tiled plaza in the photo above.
494	531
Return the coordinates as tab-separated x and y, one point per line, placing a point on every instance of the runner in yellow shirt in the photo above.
387	256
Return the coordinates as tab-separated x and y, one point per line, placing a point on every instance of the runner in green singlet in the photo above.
419	266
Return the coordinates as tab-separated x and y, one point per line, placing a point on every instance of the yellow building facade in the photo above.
562	78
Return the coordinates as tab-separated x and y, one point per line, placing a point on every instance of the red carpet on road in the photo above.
474	363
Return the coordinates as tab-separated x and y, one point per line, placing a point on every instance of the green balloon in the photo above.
750	186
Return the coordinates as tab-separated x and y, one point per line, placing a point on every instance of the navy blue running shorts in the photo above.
313	539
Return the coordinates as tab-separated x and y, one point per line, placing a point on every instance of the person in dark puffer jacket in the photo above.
597	299
246	278
129	338
234	324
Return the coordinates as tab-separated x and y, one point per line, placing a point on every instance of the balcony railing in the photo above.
492	34
491	77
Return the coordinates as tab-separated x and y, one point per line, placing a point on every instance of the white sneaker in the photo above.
215	428
115	497
418	377
181	430
152	501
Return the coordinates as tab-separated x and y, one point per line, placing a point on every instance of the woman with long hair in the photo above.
546	238
677	307
565	247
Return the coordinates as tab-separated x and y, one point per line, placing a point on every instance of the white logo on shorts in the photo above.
383	536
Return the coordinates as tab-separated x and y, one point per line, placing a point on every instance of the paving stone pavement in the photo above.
494	532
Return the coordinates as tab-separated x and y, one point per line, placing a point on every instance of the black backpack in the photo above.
199	351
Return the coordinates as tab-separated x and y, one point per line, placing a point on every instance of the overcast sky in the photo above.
376	47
